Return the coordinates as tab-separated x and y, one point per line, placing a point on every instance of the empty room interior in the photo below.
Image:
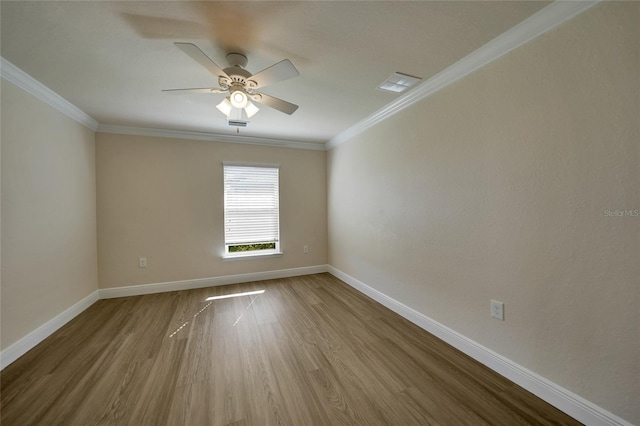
301	212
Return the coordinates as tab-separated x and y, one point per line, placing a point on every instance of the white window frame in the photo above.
254	253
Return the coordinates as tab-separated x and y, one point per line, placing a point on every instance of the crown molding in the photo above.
203	136
15	75
546	19
537	24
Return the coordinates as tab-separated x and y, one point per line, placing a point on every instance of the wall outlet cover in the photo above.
497	310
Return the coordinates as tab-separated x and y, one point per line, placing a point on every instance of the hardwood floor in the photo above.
309	350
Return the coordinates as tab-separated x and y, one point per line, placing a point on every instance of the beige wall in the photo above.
49	252
162	199
496	188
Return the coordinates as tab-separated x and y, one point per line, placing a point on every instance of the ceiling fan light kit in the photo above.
234	114
251	109
238	98
225	107
241	85
236	118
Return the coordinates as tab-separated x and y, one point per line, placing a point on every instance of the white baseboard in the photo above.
29	341
137	290
561	398
25	344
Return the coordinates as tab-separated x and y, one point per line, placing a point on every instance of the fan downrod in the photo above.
237	59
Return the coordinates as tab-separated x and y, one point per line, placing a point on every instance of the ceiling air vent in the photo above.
237	123
398	82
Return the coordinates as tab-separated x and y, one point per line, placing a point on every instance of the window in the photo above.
251	210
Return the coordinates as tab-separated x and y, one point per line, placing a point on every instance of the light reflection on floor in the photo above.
224	296
245	309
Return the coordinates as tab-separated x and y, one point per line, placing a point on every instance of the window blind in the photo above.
251	204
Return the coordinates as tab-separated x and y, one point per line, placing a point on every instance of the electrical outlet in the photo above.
305	249
142	262
497	310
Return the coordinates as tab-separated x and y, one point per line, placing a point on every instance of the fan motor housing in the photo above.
235	72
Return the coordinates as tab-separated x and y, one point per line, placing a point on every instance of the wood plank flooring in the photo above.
308	351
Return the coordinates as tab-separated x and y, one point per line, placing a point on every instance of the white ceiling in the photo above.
112	59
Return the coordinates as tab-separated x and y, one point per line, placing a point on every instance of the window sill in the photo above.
233	257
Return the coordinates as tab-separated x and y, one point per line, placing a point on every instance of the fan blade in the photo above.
281	71
197	90
200	57
275	103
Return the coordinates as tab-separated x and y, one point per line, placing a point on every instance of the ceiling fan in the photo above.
242	86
